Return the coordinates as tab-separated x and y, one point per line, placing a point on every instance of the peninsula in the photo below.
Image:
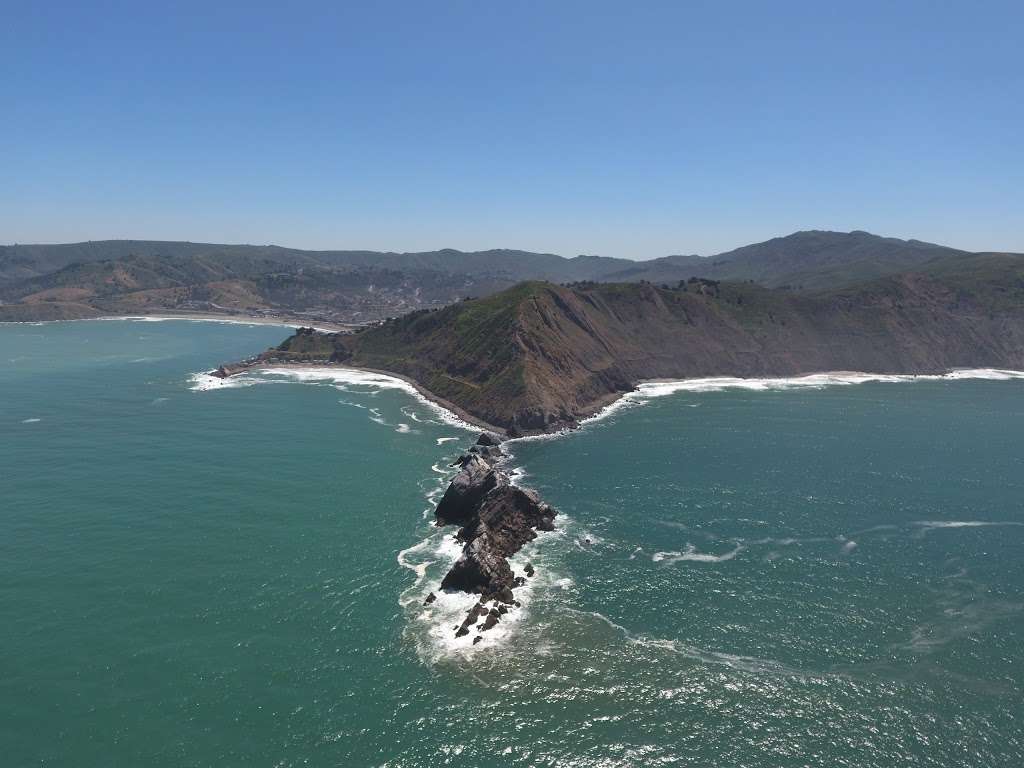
541	356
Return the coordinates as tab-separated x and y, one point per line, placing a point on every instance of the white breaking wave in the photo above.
691	554
653	389
815	381
204	382
443	440
434	625
379	381
337	376
937	524
30	421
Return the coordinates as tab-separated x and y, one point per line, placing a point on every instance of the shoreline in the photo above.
285	321
649	388
460	413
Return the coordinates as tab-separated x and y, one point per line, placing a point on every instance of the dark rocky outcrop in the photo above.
489	439
503	521
230	369
460	501
497	519
491	621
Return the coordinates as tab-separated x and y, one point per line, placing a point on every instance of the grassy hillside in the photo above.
539	356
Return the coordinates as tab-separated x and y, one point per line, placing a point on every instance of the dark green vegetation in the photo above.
804	260
39	282
540	356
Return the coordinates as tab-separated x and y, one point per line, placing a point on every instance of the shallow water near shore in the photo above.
194	574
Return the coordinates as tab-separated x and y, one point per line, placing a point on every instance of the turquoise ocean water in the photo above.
194	575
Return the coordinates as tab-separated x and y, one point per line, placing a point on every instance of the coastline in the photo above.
646	389
284	321
447	405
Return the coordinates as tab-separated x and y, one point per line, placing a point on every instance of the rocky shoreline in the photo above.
496	519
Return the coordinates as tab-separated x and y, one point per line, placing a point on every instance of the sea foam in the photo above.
369	379
692	555
654	389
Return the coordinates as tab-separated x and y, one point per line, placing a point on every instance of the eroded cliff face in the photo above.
540	357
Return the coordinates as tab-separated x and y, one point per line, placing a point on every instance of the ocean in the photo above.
203	573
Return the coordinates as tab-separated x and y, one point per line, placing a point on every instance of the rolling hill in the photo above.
804	260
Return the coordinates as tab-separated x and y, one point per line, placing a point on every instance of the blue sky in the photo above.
627	129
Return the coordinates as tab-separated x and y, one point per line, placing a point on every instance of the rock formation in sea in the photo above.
496	519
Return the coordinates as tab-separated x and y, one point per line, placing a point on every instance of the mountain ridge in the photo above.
39	282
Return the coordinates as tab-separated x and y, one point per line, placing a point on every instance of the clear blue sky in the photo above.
630	129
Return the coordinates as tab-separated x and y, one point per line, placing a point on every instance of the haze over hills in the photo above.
39	282
26	261
806	260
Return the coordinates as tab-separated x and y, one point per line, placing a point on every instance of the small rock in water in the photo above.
461	632
430	598
502	609
477	639
528	570
490	621
488	438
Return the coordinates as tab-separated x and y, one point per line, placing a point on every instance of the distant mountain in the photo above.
18	262
804	260
133	276
540	356
41	282
234	284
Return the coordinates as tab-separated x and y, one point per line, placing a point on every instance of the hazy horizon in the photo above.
566	128
471	250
